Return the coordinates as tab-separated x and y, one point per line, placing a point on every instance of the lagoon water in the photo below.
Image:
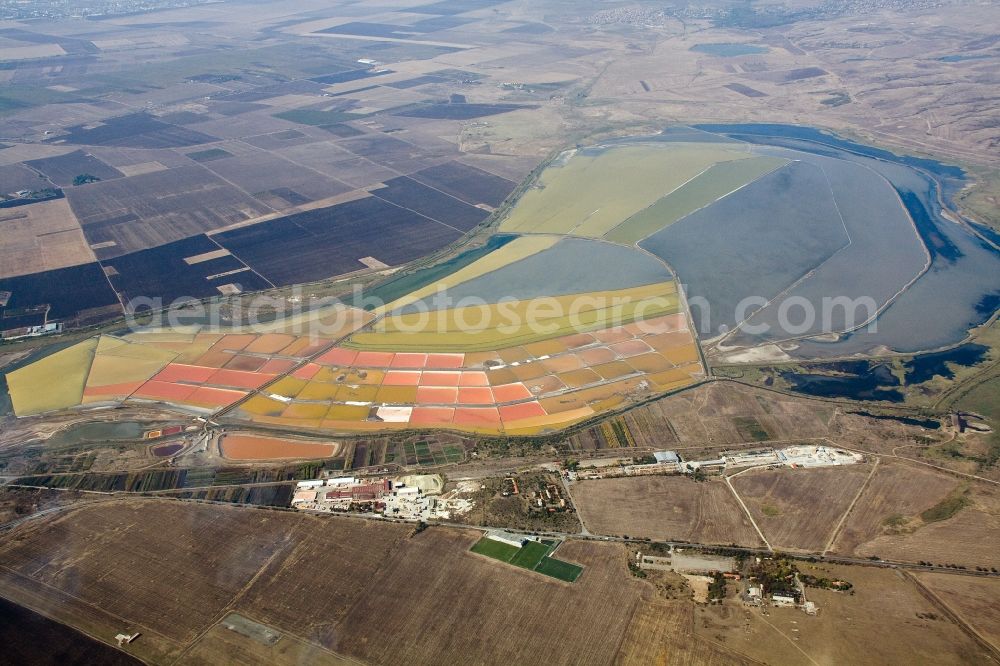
964	274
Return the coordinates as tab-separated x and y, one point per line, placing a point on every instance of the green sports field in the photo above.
559	569
530	555
495	549
533	556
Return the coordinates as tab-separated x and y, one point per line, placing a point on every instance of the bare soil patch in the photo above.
666	508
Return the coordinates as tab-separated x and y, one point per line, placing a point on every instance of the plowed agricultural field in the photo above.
448	605
249	447
169	569
661	632
665	508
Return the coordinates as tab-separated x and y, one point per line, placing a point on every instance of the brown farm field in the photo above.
798	509
175	570
330	587
665	508
139	566
969	538
889	519
93	554
885	620
41	237
662	632
170	569
239	649
448	605
974	600
896	489
314	585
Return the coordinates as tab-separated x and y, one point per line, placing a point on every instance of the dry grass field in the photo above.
666	508
895	490
718	414
798	509
662	632
889	519
339	589
222	643
969	538
170	569
173	570
974	600
315	584
885	621
151	562
41	237
448	605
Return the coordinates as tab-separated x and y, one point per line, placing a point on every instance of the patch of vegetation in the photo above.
564	571
635	569
770	510
896	521
521	511
836	99
984	399
209	154
717	588
750	429
85	178
776	576
981	199
214	78
495	549
532	555
948	507
825	583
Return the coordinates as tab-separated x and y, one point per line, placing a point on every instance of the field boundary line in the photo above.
127	622
746	510
954	616
843	518
621	639
787	638
89	635
230	605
